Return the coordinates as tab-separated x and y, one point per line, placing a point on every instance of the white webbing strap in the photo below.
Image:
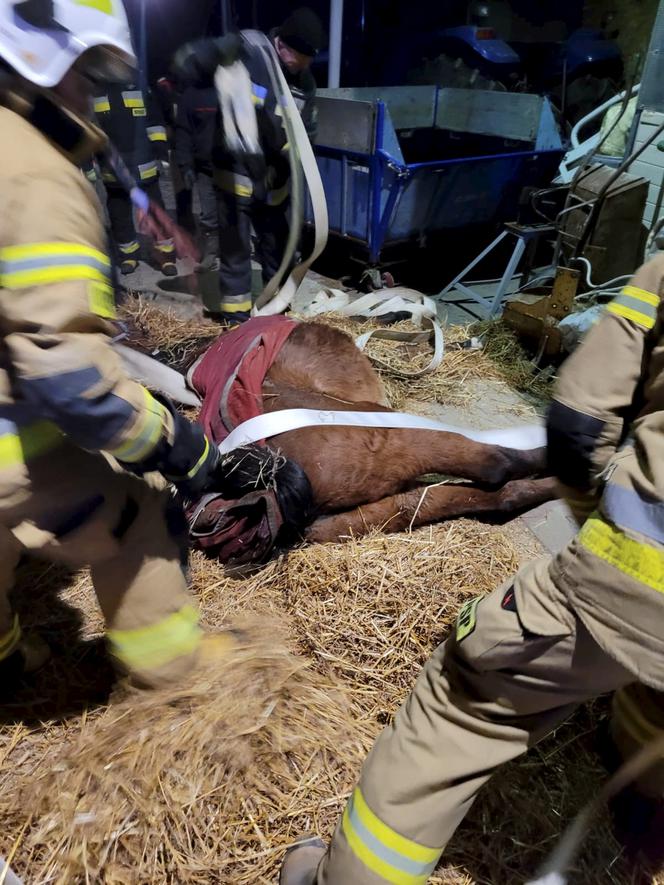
156	375
271	301
273	423
238	113
419	307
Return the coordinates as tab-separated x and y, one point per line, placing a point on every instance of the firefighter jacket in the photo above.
196	123
606	445
59	375
134	124
269	181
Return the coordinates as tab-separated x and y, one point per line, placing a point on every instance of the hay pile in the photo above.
502	359
210	783
165	335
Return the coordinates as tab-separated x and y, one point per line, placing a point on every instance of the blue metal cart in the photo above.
400	164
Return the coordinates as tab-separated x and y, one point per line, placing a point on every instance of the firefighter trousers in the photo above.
237	215
80	510
488	693
121	217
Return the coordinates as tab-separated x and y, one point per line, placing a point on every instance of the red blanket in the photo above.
229	376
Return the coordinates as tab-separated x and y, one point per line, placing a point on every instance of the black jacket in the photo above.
196	65
133	122
196	123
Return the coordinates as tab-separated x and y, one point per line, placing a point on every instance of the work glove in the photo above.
187	458
189	178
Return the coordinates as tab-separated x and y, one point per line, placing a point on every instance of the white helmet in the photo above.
42	39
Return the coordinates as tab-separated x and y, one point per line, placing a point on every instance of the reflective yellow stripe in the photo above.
637	305
10	639
37	264
230	307
28	442
642	295
146	435
156	133
640	561
382	850
101	299
102	106
634	315
129	248
105	6
133	99
148	648
233	183
197	466
28	278
47	250
148	170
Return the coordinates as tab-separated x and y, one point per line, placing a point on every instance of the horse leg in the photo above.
426	504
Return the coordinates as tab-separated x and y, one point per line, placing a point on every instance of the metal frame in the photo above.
385	195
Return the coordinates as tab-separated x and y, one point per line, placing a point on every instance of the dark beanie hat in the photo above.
303	31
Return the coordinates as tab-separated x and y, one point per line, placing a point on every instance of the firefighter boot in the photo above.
209	257
166	259
302	861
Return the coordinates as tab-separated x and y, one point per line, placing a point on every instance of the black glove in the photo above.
229	49
189	178
189	461
196	62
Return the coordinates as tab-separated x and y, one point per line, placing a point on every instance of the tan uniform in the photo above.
566	629
64	396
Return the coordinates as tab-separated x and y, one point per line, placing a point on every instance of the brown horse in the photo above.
353	479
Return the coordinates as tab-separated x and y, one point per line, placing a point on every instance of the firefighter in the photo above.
196	122
565	629
133	122
70	419
255	194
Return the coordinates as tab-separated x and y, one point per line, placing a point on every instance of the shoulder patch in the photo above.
467	619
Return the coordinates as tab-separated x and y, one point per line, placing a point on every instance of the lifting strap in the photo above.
532	436
420	308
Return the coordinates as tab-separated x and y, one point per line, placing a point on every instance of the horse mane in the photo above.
253	468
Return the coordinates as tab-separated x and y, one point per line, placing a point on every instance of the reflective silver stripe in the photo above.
7	267
133	99
628	510
387	854
636	304
234	183
157	132
147	170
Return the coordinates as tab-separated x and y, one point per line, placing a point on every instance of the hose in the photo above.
273	299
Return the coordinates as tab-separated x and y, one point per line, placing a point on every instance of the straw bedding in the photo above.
211	782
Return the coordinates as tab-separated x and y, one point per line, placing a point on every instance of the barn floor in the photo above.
364	614
490	403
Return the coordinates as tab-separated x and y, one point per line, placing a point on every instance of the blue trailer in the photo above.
401	164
